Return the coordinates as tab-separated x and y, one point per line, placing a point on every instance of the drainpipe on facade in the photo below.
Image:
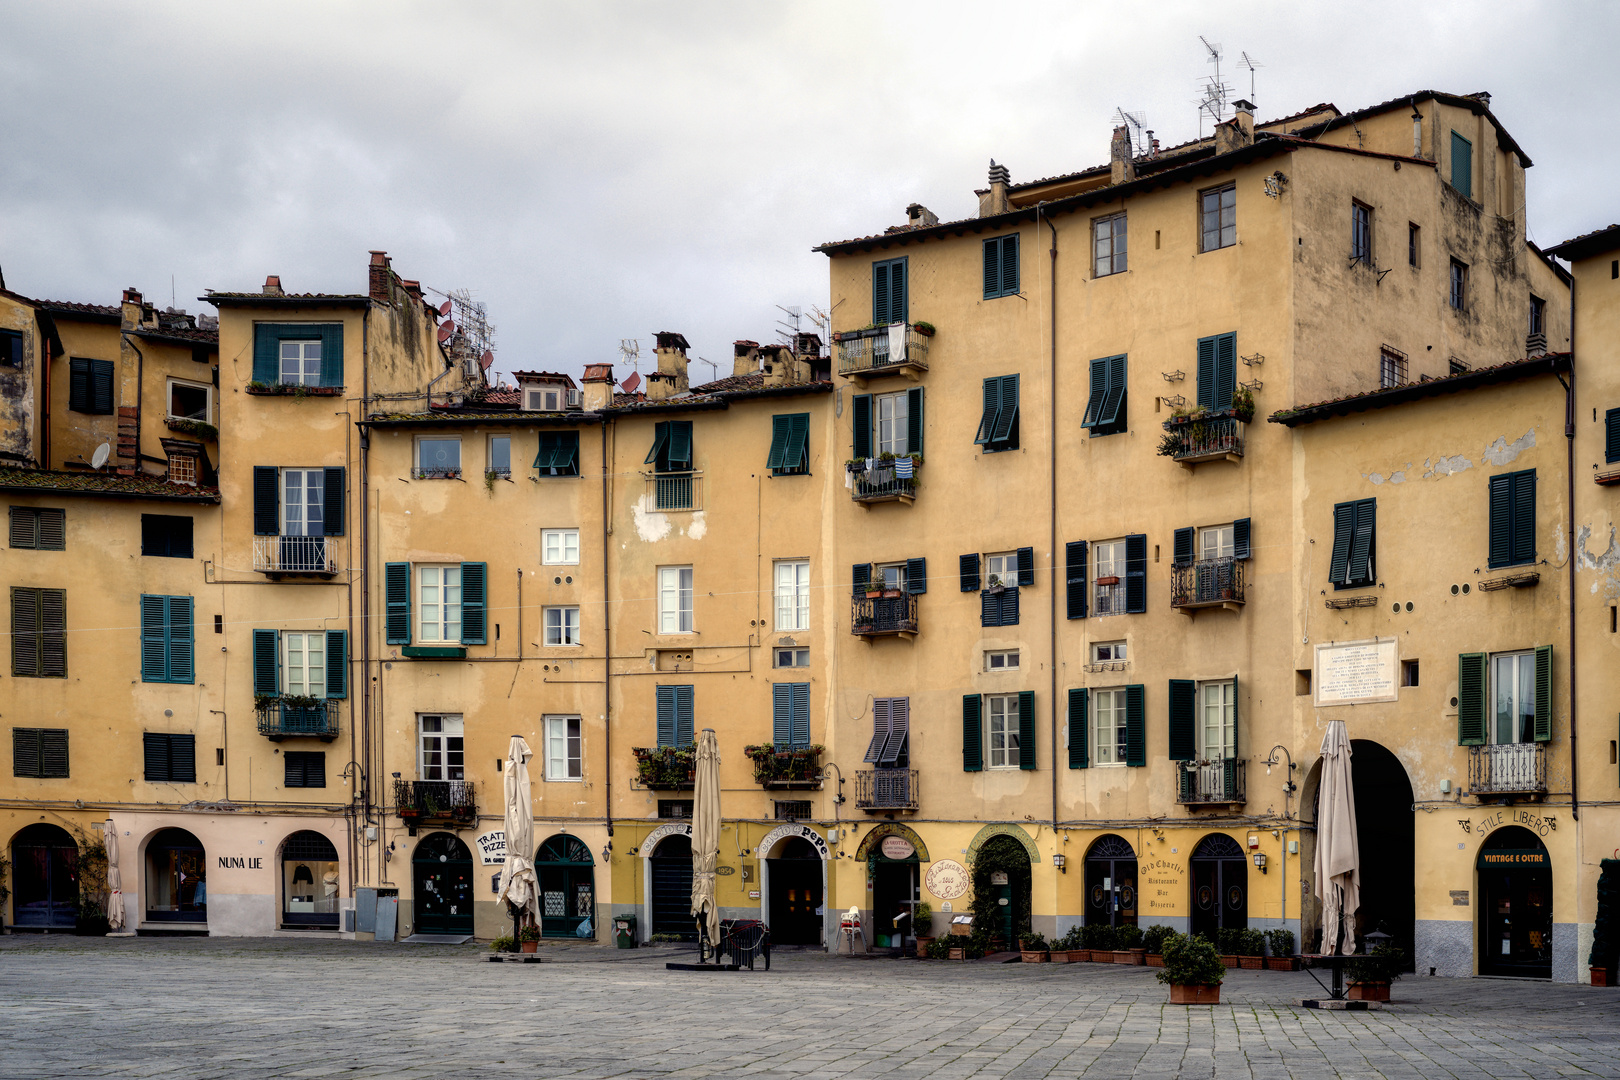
1569	470
364	692
1052	540
607	646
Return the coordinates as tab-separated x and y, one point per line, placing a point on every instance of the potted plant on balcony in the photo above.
1128	945
1193	969
1243	404
1282	950
529	938
926	329
994	585
1251	947
1170	444
1371	973
1033	948
1153	944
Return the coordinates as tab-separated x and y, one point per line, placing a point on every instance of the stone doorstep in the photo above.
1338	1006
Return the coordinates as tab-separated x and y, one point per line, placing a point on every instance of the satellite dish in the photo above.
99	458
446	330
444	308
629	385
487	359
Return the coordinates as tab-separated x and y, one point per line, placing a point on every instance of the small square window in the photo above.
301	363
559	547
191	401
182	469
1108	244
789	658
562	626
1217	217
675	809
793	810
438	458
1391	368
1409	672
1001	660
1108	652
1361	234
500	455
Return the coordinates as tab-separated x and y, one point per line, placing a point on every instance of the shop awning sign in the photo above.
1512	858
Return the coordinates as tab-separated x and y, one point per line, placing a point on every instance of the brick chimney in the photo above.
782	367
598	391
380	272
272	285
670	378
919	216
130	309
1121	162
1237	132
994	201
744	357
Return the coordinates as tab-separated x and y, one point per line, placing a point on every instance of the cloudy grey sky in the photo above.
598	171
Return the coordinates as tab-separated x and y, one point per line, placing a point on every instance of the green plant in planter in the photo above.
302	701
528	933
924	328
922	918
1383	964
940	948
501	944
1071	940
976	944
1282	942
1228	941
1033	942
1243	404
1153	938
490	476
886	458
1128	937
1251	943
1170	444
1190	961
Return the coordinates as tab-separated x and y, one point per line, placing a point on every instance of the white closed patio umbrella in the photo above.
1338	855
520	888
706	833
115	878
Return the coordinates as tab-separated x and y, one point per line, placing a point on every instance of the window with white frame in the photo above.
562	625
893	424
1001	569
562	748
438	458
1108	236
1003	730
438	598
675	600
1108	572
1513	698
1001	660
500	455
191	401
1217	721
1215	542
559	547
890	576
441	749
301	362
182	467
303	664
786	658
1108	726
303	502
793	596
1108	652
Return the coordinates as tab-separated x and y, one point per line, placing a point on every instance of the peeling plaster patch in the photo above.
699	526
1561	547
1446	466
1607	564
1375	477
651	526
1501	451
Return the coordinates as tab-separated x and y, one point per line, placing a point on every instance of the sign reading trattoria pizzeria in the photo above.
492	848
1351	672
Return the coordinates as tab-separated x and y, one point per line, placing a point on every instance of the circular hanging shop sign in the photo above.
947	879
897	848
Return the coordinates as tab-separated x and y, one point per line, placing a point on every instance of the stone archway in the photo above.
1017	832
869	845
793	883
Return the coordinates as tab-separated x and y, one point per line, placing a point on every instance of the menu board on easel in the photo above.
1355	673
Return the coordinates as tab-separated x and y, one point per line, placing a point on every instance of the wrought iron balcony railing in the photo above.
880	791
294	555
1207	583
675	490
883	483
1108	597
884	615
1216	781
433	801
1212	439
283	718
883	350
1507	769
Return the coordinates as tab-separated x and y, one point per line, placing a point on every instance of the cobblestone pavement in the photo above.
287	1007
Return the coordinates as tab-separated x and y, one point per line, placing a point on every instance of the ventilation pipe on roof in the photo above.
919	216
994	201
670	378
744	357
1237	132
598	389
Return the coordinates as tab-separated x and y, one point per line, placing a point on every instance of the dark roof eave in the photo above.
1597	242
767	392
473	419
71	314
221	300
1552	264
177	339
203	495
1503	138
1553	363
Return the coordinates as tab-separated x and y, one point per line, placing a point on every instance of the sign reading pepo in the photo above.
492	848
1354	672
897	848
947	879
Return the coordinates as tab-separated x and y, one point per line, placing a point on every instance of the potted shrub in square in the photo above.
1128	946
1282	951
1226	946
1251	950
1193	969
1153	944
529	938
1096	939
922	924
1033	948
1371	973
1066	950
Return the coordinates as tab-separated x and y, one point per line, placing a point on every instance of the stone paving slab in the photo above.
210	1007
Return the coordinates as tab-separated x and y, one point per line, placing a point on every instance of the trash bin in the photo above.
624	931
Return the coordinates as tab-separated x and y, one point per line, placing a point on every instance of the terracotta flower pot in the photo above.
1155	960
528	946
1123	956
1369	991
1281	963
1601	977
1195	994
1032	956
959	954
922	947
1230	961
1252	963
1060	956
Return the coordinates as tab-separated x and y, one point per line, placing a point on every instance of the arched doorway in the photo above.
1111	882
309	881
795	900
1220	884
176	878
45	872
567	885
1515	895
1385	835
1001	889
670	869
442	869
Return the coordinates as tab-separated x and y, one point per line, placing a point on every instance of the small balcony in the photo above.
674	491
886	791
1507	771
1210	783
788	767
900	349
280	556
885	481
666	768
1211	583
1108	596
1192	439
884	616
431	803
297	718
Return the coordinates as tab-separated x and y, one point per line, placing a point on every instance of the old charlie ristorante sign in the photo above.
1353	672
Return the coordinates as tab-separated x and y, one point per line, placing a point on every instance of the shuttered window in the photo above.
40	753
170	759
38	528
972	733
891	733
1105	408
968	571
90	386
1074	572
998	424
1136	573
39	633
305	769
298	354
314	504
1611	436
559	453
1026	730
397	601
1183	731
887	423
1462	165
1001	266
1217	371
474	604
790	435
1078	724
790	714
889	300
672	447
166	536
1355	539
167	639
1513	518
1136	725
325	674
675	724
998	608
1504	698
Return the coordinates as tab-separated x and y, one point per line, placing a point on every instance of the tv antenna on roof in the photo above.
1251	63
787	328
630	350
1135	121
1214	100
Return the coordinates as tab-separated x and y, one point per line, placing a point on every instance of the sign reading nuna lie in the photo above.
1354	672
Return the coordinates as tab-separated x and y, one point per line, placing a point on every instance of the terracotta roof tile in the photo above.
97	483
71	307
1394	395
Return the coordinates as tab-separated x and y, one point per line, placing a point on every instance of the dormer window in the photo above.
543	399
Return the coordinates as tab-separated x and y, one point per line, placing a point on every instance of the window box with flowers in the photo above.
666	768
787	766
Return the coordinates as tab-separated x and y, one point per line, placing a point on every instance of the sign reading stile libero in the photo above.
1353	672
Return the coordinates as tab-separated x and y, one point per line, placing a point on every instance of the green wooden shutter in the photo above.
25	752
154	639
1462	165
1524	516
332	354
1472	671
1237	721
1361	546
1079	711
337	663
52	535
266	354
801	714
1206	373
781	714
474	584
882	727
861	418
1009	608
1183	720
992	267
666	716
334	487
53	753
880	293
1182	551
53	633
992	406
266	500
861	576
1009	265
1074	574
1136	573
1240	538
914	420
798	448
25	633
1501	536
1344	530
968	570
683	716
79	393
781	429
899	292
1113	406
990	608
1225	370
1099	393
1543	693
1026	730
397	601
972	733
181	639
660	441
1136	725
101	387
1611	436
1026	566
680	445
183	758
916	576
1007	416
155	757
266	664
